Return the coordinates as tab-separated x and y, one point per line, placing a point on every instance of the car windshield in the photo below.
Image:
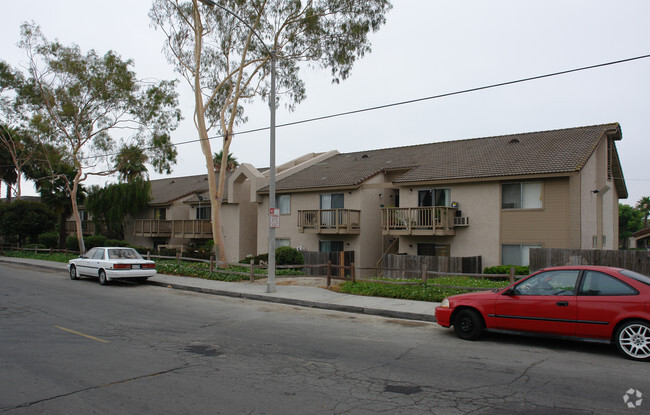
635	275
123	253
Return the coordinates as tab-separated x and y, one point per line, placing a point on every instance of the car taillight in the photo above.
121	266
149	266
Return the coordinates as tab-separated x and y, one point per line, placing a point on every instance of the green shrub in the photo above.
505	269
256	259
286	255
95	240
116	242
71	243
49	239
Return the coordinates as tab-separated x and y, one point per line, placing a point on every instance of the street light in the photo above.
270	286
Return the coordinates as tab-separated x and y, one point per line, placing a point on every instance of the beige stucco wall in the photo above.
367	244
599	211
480	202
548	226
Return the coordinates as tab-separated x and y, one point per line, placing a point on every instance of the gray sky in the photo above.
427	48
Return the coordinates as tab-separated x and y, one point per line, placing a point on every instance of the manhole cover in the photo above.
203	350
403	389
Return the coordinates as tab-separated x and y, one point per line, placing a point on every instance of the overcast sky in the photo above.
426	48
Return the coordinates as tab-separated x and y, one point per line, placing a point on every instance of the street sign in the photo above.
274	221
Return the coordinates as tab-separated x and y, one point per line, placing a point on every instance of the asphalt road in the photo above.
75	347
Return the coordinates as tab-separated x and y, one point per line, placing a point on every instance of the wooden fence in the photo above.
638	261
408	266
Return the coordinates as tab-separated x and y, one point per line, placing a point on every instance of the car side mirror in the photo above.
509	291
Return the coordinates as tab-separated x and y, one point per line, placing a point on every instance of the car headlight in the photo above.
445	303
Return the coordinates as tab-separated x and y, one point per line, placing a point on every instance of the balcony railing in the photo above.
191	228
87	227
435	220
342	221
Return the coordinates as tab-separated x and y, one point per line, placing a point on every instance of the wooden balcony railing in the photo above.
342	221
191	228
87	227
434	220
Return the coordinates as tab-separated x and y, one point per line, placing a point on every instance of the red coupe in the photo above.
588	302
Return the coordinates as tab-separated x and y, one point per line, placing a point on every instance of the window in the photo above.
597	283
331	201
83	214
282	242
91	252
549	283
330	246
160	213
98	254
525	195
517	255
204	212
434	197
433	249
283	202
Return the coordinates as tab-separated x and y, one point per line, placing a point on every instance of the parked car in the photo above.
112	263
582	302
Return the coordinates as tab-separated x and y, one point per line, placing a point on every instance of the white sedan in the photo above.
112	263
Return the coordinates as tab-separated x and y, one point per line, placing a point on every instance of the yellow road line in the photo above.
81	334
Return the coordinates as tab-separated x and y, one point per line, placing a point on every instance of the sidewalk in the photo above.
303	296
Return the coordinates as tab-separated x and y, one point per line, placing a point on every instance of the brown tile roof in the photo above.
165	191
546	152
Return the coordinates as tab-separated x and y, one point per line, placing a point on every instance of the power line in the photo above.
448	94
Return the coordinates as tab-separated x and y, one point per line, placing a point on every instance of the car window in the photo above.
90	253
598	283
560	282
124	253
637	276
99	254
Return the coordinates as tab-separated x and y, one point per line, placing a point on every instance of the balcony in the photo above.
87	227
188	229
329	221
427	221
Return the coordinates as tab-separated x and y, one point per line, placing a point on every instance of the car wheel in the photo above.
633	340
73	273
468	324
102	277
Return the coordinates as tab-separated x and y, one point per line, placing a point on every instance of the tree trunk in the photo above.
199	120
75	212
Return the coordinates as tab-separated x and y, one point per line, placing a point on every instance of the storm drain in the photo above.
403	389
206	351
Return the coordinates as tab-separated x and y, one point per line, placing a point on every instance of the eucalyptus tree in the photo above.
88	106
221	54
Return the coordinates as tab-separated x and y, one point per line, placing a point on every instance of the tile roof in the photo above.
165	191
545	152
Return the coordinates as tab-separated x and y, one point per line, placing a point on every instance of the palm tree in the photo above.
8	172
644	206
130	163
231	162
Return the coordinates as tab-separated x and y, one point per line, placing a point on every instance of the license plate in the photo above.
136	266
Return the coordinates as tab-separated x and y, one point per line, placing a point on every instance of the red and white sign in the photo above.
274	221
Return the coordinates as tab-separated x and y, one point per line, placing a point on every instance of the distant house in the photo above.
494	197
641	239
179	215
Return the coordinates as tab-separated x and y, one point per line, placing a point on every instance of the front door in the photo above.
544	303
